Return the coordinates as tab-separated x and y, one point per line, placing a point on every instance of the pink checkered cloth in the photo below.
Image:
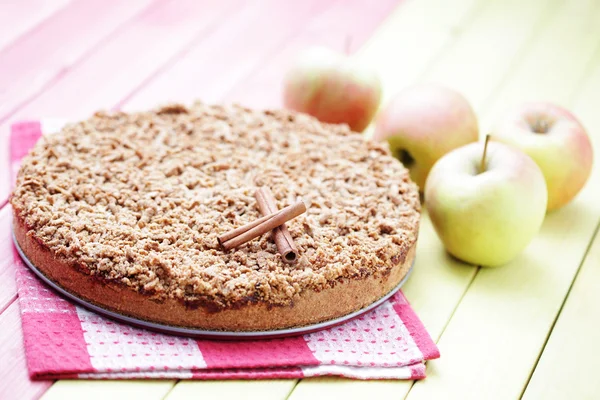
66	341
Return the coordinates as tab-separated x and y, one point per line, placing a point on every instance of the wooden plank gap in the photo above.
24	28
590	68
458	302
8	304
171	390
293	388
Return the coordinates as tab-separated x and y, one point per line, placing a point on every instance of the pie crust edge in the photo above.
310	307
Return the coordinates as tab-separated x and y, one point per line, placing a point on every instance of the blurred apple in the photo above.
486	216
424	122
333	88
557	142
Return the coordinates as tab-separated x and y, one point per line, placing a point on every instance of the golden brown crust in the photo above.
311	307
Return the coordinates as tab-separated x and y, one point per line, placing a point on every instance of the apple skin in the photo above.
486	218
333	88
424	122
563	152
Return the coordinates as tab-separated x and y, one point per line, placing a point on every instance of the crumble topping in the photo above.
140	198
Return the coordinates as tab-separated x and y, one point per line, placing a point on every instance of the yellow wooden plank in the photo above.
336	388
494	338
436	276
477	63
412	37
108	390
259	390
569	365
551	68
499	328
568	368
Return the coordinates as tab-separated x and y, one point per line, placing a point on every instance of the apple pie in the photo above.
123	210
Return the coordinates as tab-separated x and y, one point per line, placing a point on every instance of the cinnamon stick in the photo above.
254	229
285	244
242	229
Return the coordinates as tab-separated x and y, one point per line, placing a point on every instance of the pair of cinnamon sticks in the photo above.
272	220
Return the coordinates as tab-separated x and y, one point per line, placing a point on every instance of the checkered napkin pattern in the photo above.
66	341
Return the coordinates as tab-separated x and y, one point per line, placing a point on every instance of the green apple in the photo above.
333	88
424	122
486	216
557	142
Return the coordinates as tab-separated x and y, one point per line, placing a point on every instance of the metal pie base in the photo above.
200	333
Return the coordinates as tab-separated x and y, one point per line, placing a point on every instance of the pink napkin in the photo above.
66	341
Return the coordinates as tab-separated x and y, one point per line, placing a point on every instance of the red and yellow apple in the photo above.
424	122
486	216
333	88
557	142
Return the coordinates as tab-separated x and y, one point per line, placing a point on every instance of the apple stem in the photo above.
485	146
347	44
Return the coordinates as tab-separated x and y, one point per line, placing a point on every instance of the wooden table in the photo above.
529	329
